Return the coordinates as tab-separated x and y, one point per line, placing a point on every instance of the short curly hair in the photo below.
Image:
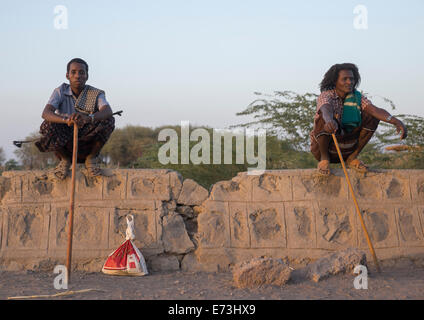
332	75
78	60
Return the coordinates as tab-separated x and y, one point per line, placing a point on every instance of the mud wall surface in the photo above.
182	226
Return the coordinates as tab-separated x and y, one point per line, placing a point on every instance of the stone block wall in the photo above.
181	225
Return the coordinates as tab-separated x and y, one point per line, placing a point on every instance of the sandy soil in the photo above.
395	282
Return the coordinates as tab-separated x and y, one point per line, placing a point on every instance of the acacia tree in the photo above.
408	154
415	125
286	114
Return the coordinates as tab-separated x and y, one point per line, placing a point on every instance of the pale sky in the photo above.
165	61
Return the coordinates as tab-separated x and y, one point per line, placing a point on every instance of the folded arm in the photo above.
104	113
50	115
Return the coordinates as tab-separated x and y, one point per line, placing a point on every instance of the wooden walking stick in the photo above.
356	205
72	203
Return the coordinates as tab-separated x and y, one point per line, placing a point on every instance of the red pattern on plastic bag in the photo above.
127	259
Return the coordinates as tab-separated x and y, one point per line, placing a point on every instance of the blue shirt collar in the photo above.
67	89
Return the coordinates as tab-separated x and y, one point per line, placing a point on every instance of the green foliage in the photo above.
376	158
12	164
204	174
125	145
279	155
145	149
412	158
285	114
415	124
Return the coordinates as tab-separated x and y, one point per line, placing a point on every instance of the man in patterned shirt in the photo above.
84	105
339	83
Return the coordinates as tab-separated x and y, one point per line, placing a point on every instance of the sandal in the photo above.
62	169
92	168
324	167
357	165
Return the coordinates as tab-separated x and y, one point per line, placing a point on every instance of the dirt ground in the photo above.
395	282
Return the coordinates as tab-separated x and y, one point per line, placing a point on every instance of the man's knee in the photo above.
365	135
369	123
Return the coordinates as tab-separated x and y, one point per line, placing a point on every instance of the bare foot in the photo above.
357	165
92	167
62	169
324	167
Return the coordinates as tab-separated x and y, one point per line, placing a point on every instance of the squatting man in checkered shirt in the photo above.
344	111
88	108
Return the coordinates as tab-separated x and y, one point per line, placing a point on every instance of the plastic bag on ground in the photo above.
127	260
